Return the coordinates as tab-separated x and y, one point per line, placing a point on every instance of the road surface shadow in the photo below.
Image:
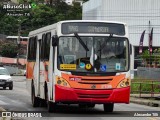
75	111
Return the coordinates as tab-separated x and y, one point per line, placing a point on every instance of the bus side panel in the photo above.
29	75
29	70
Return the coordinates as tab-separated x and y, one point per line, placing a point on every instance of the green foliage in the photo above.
8	50
145	54
75	12
153	58
8	25
146	87
40	16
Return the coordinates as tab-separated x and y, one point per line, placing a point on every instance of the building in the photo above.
70	2
23	44
140	15
21	60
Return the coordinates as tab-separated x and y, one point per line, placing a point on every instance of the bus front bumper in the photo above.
71	95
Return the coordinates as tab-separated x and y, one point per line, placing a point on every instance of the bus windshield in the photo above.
93	54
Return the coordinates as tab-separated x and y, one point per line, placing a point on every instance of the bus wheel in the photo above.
108	107
81	105
35	100
52	107
91	105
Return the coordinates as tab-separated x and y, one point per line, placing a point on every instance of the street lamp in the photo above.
18	43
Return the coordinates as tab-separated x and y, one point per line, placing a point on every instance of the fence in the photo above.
144	86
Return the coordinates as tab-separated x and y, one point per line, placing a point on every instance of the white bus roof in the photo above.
53	26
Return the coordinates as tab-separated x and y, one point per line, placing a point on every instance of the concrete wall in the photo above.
148	73
11	70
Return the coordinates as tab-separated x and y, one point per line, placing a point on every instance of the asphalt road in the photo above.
19	99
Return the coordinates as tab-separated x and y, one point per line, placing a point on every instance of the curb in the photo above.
151	103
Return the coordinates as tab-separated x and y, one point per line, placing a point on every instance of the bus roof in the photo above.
53	26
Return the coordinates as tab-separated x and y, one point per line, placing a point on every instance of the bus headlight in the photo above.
124	83
62	82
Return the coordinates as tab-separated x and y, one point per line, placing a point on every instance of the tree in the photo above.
8	50
40	16
74	12
85	0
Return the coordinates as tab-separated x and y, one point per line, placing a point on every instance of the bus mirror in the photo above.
130	49
54	40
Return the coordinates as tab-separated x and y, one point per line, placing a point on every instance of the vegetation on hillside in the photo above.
39	16
36	17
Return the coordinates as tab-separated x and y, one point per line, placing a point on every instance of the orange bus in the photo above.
84	62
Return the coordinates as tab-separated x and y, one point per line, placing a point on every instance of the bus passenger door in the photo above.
51	72
36	70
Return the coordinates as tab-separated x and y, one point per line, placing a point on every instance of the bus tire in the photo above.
91	105
35	100
51	107
44	101
108	107
81	105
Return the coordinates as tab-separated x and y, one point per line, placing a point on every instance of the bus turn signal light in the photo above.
124	83
62	82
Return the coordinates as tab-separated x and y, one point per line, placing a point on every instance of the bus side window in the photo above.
32	48
42	47
47	46
29	49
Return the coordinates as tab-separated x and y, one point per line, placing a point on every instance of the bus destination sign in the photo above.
93	27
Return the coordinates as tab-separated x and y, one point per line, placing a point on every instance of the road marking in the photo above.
3	103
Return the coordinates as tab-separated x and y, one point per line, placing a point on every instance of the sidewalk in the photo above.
145	99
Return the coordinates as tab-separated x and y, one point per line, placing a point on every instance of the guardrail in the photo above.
144	86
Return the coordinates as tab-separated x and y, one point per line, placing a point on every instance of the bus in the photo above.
83	62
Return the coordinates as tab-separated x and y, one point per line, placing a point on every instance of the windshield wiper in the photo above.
103	45
81	41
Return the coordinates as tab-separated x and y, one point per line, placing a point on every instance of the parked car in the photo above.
5	79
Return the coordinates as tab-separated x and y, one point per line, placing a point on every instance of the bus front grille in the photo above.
95	81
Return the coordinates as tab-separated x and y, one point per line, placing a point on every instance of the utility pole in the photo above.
18	43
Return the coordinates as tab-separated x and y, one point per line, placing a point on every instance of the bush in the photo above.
146	86
9	50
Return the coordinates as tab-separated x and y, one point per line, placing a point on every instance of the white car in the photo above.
5	79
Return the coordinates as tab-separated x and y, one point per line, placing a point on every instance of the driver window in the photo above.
66	51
